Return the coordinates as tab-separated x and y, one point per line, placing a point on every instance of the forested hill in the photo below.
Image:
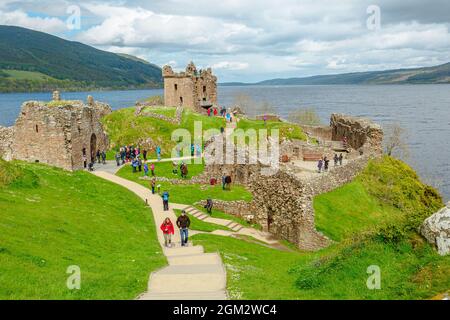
36	61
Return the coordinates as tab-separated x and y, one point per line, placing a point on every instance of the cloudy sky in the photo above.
251	40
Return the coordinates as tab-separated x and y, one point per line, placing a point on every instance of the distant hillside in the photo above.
36	61
429	75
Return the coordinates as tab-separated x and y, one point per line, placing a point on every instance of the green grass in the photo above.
190	193
287	130
51	219
165	111
162	169
199	225
350	209
375	218
26	75
339	272
124	128
387	193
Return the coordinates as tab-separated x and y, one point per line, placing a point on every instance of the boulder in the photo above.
436	229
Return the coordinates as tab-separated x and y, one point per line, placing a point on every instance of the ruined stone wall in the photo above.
57	134
360	132
322	133
6	139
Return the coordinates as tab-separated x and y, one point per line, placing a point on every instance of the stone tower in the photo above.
196	90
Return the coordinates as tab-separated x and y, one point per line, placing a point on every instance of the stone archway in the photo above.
93	147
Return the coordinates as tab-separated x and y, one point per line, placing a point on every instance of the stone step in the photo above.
238	228
190	209
210	295
195	278
203	259
181	251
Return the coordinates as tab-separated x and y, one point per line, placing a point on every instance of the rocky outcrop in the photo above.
6	140
436	229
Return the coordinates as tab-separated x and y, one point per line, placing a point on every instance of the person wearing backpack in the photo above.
165	197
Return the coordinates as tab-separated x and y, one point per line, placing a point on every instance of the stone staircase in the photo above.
234	226
191	275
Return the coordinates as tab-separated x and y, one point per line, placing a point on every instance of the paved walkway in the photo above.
191	274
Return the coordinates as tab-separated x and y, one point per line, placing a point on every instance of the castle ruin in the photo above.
196	90
283	202
59	133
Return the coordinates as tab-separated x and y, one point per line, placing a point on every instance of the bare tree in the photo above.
395	140
305	117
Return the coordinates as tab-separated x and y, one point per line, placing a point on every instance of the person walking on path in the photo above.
183	222
118	158
215	112
98	156
336	159
209	112
168	231
209	205
184	171
84	161
158	152
223	182
146	169
144	153
165	197
152	169
134	164
341	157
103	157
139	164
153	185
228	182
319	165
326	163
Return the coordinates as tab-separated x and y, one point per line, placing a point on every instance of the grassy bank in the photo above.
375	219
51	219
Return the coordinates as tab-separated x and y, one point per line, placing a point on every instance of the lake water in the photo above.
423	110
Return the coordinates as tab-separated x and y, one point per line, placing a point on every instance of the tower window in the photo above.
204	88
37	128
176	86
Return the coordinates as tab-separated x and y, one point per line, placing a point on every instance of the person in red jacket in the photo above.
168	231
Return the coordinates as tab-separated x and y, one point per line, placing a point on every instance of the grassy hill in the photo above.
57	63
51	219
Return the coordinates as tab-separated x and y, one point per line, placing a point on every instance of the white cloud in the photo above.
20	18
230	65
255	39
